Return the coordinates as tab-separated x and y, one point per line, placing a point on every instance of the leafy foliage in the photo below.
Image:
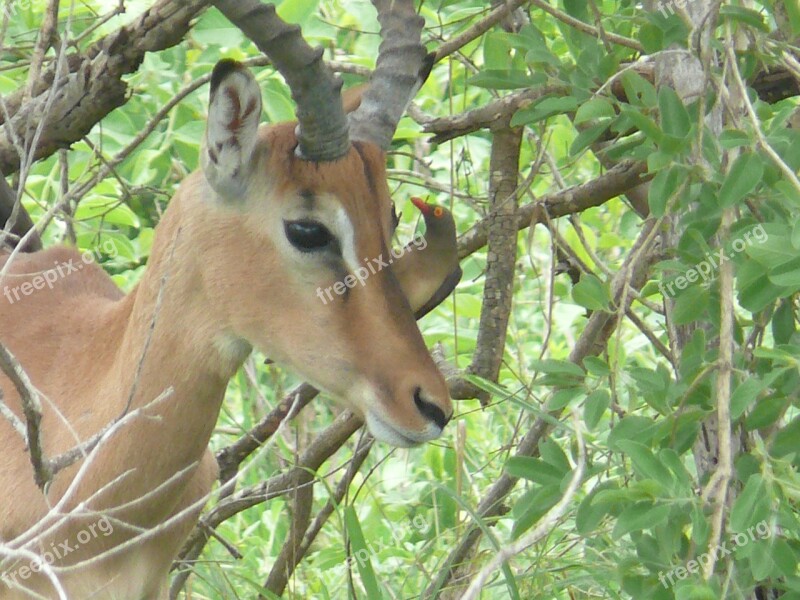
640	527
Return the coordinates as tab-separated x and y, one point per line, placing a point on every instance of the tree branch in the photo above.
93	85
501	260
600	326
617	181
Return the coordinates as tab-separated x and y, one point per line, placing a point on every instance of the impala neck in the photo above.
170	340
173	323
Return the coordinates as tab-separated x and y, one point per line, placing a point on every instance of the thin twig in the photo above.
32	409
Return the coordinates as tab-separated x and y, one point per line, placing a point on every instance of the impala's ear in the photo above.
233	116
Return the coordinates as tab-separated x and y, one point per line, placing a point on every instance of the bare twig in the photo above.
32	409
11	417
477	30
47	34
586	28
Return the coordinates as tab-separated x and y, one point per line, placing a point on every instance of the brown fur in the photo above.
225	285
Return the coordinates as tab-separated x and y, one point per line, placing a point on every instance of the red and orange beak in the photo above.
425	208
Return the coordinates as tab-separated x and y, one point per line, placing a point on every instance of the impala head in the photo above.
306	205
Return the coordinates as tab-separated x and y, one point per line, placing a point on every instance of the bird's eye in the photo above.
438	211
307	236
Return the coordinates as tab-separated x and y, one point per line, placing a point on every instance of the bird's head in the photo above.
439	221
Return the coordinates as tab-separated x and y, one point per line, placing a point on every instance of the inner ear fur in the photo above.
234	113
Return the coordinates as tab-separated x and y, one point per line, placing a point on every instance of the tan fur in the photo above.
226	285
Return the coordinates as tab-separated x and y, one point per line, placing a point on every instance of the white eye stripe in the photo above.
346	233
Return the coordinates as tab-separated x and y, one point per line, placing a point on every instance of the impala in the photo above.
273	214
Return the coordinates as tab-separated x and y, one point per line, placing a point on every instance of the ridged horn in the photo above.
402	67
316	90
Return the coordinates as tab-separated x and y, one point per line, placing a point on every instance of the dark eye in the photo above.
307	236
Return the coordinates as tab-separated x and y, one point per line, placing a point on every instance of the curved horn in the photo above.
403	66
322	134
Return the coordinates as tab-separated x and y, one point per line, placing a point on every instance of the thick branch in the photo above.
302	499
93	85
501	257
599	328
576	199
493	114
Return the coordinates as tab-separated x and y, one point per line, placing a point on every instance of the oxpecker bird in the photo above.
434	265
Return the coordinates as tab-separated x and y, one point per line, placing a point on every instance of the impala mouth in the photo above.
384	432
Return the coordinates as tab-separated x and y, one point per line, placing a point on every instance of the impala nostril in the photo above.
430	410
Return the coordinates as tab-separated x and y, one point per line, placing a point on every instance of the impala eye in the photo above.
307	236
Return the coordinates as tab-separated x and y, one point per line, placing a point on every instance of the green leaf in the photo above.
761	563
361	553
787	274
496	51
277	100
638	91
595	406
297	11
596	108
591	293
534	469
744	395
493	388
690	305
756	292
543	109
639	516
596	366
747	504
793	12
504	79
766	412
532	506
107	209
589	515
734	138
645	464
649	380
542	56
551	452
674	116
744	175
588	136
783	323
632	427
694	590
745	15
783	556
644	123
776	248
788	192
787	440
552	366
562	398
651	37
683	480
663	186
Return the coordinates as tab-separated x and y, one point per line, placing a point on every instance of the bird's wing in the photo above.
448	285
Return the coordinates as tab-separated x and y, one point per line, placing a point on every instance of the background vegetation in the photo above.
627	145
